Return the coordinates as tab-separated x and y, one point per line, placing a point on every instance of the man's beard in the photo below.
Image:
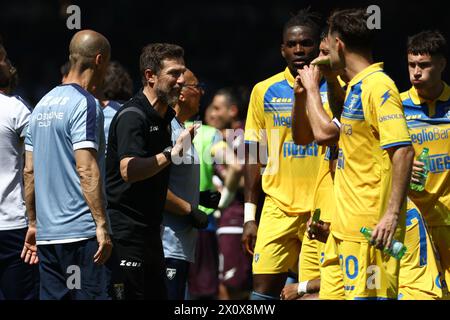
167	98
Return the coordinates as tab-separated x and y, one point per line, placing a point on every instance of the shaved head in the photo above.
189	77
85	46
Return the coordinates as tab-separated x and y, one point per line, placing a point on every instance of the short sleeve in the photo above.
255	116
86	125
21	118
130	132
386	115
28	139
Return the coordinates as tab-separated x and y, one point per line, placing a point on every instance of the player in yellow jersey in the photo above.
374	163
291	169
426	107
322	103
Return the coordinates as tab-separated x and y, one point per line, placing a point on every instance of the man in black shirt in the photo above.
137	171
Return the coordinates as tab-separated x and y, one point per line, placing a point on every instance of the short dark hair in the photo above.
153	54
351	25
304	18
235	96
324	32
427	42
117	85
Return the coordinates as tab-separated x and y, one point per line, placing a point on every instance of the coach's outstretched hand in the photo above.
184	142
249	236
210	199
199	219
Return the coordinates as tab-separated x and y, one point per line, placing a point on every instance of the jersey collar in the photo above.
366	72
445	95
289	77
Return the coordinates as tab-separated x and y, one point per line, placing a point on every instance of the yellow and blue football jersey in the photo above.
291	171
372	121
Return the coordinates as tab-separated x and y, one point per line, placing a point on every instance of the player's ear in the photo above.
234	110
282	50
99	59
150	76
340	45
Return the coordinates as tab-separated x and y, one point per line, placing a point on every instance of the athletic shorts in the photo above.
68	272
367	273
420	271
331	276
18	280
310	258
177	272
141	268
278	240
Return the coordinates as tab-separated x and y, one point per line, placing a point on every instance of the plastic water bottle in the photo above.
425	158
396	250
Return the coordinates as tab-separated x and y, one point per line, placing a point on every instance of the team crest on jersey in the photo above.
170	273
353	101
256	257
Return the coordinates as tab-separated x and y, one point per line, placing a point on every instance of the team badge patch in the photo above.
170	273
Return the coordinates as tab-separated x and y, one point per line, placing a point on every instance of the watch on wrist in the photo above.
167	152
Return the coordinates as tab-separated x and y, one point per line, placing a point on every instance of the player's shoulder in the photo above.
14	103
263	85
379	78
380	82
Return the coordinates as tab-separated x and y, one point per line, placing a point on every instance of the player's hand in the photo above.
384	231
325	67
104	245
310	77
210	199
417	171
298	86
249	236
318	230
29	251
199	219
184	141
290	292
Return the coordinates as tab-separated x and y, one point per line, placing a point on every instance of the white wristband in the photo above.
301	289
226	198
249	212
